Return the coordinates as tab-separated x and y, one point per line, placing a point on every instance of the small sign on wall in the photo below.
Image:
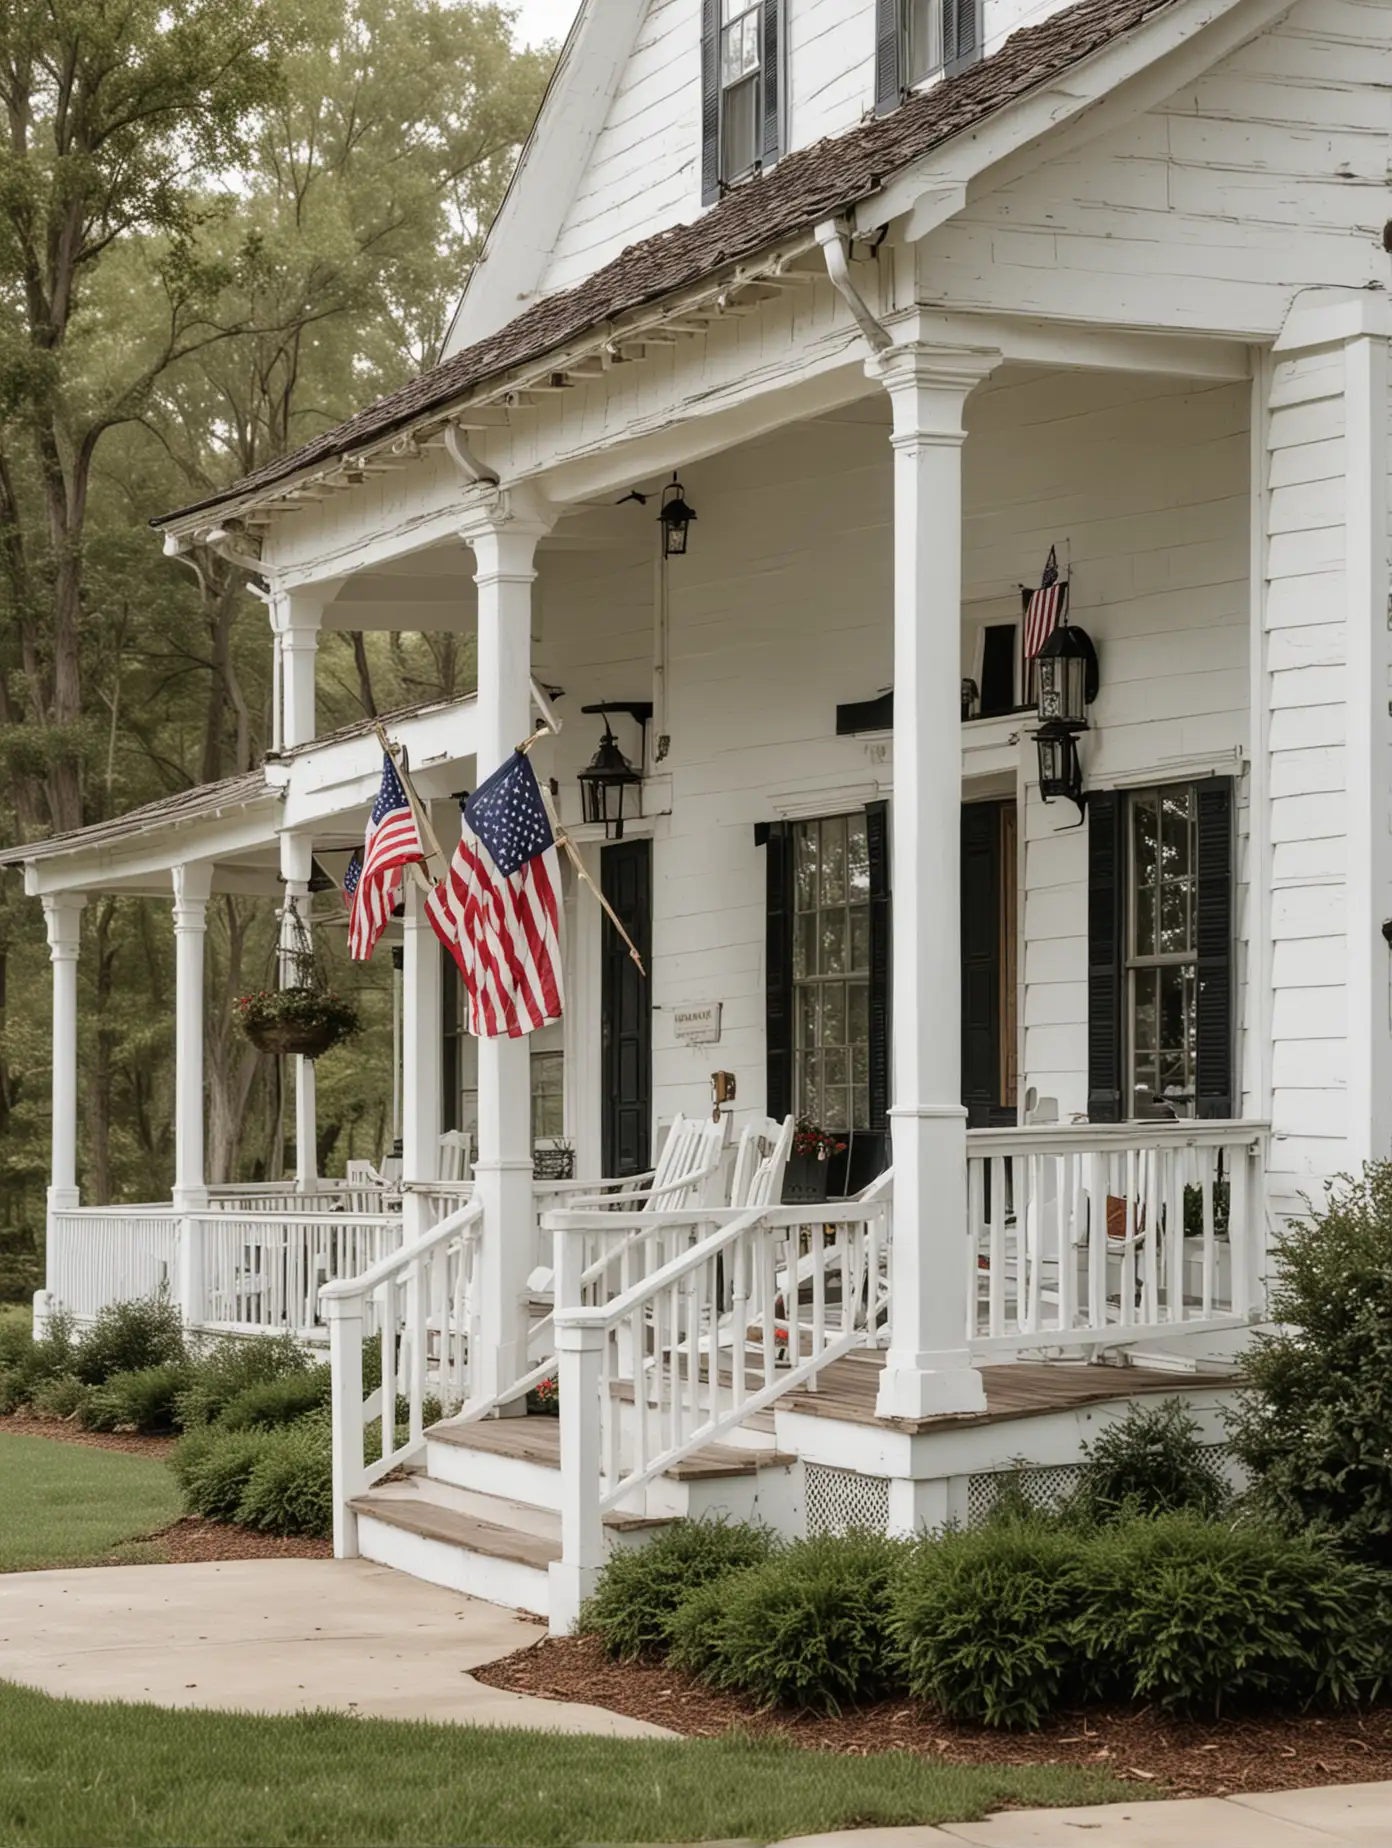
698	1023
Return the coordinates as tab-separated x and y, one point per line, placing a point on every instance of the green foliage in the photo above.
1150	1462
290	1487
987	1621
213	1469
639	1590
810	1628
62	1396
142	1400
25	1364
317	1008
1314	1426
1195	1616
276	1402
128	1337
229	1367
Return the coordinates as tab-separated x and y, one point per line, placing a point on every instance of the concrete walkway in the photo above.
275	1636
1340	1816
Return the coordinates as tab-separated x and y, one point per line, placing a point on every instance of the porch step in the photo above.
483	1545
520	1458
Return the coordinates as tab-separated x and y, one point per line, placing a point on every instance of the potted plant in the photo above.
805	1177
305	1016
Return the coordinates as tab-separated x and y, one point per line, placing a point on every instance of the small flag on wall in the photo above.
1046	607
393	841
497	911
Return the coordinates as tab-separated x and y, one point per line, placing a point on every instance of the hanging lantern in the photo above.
1060	772
675	517
607	785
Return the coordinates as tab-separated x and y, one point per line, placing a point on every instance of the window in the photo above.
739	88
548	1096
740	102
831	972
923	51
1162	950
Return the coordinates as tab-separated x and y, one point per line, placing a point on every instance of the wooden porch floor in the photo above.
1020	1389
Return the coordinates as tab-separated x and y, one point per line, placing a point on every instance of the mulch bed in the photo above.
25	1424
1185	1757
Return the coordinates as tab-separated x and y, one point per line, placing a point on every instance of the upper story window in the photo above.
741	121
915	39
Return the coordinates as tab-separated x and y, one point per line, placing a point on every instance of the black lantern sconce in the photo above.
675	517
611	789
1067	680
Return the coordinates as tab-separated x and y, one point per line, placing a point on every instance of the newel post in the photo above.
579	1348
928	1369
344	1315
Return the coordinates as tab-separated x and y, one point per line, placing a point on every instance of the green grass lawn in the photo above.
74	1772
73	1505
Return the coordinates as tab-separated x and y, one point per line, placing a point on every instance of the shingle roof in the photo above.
804	188
233	792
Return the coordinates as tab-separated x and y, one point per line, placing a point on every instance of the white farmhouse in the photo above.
902	296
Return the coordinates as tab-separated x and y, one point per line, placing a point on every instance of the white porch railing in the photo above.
110	1254
265	1271
422	1301
708	1327
1095	1235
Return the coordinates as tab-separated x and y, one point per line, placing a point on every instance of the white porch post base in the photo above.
928	1370
420	1060
192	887
573	1576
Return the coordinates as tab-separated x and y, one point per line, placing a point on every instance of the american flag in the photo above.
393	841
498	909
351	878
1044	607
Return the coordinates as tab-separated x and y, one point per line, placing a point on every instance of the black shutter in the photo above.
773	101
877	841
889	83
449	1040
981	970
1106	809
1214	1028
961	34
778	1001
710	101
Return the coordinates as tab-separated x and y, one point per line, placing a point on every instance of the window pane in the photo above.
809	1101
858	1014
806	1018
805	866
1144	845
836	1107
860	1107
1174	917
924	50
733	9
857	858
804	945
739	128
834	862
860	938
833	933
833	1015
740	53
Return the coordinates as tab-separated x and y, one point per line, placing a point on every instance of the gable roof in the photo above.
806	187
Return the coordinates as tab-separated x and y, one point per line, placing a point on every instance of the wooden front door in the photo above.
989	1077
626	880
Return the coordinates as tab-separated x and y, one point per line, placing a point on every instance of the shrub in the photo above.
986	1621
290	1486
1192	1615
1150	1462
213	1468
694	1630
129	1337
229	1366
810	1628
639	1591
25	1364
62	1396
276	1402
140	1401
1314	1427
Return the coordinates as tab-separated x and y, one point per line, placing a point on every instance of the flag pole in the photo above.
564	840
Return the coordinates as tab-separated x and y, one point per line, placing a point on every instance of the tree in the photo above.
116	115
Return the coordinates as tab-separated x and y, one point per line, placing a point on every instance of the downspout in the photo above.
834	236
466	461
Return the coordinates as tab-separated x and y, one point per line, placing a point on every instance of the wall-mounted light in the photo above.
1067	684
611	788
676	517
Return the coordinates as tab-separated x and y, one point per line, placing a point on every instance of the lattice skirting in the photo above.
1046	1487
840	1499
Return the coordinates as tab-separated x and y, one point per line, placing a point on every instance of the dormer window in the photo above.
918	39
741	101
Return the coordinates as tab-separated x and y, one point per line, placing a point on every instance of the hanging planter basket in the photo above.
305	1017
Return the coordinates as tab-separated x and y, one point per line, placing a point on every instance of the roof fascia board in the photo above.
1091	97
138	858
544	183
336	779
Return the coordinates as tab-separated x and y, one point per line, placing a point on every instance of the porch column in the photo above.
421	1056
296	616
296	868
504	548
192	886
928	1368
63	918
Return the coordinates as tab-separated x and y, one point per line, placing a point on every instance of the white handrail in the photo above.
387	1267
